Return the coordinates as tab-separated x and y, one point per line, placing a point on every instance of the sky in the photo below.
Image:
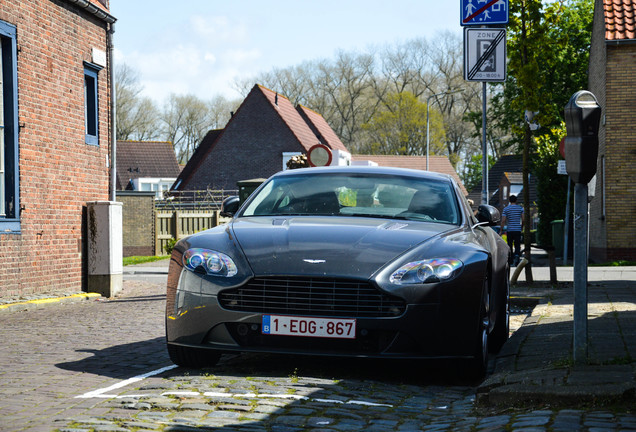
202	47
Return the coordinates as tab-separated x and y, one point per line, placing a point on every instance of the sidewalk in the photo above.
152	272
536	365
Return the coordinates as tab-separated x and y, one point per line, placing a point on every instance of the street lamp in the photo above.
427	117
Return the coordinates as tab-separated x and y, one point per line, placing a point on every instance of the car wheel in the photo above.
475	368
193	357
502	323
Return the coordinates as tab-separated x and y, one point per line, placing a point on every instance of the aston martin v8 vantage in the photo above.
343	261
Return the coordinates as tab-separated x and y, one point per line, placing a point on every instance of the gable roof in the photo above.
198	156
439	164
620	23
307	127
137	159
290	116
321	129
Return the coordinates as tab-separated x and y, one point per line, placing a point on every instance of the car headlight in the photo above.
426	271
209	262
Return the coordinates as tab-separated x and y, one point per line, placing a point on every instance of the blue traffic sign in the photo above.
484	12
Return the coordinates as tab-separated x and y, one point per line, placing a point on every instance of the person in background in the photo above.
512	220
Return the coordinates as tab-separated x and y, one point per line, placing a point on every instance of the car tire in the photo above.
476	367
193	357
501	330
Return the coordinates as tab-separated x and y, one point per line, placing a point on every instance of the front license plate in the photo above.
339	328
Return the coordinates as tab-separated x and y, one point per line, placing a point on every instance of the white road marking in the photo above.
101	393
291	396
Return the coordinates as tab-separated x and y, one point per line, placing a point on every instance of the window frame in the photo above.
91	104
10	220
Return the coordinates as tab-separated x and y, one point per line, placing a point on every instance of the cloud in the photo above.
203	55
218	29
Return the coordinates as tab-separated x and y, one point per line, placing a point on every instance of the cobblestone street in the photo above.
102	366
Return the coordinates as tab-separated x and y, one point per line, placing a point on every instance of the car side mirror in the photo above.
230	206
488	215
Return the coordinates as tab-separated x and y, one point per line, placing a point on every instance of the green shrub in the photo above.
170	245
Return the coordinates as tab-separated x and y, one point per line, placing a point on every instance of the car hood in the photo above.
334	246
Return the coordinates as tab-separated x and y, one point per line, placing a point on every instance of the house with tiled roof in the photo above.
612	70
263	134
505	178
146	166
439	164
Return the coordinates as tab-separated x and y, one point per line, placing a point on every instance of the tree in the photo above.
137	117
473	172
400	127
186	121
548	41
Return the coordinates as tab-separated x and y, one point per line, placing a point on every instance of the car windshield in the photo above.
356	194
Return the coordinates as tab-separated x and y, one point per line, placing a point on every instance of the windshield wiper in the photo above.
375	215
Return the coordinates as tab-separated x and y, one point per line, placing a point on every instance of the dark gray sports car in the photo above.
343	261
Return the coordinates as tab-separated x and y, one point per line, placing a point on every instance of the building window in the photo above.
9	173
91	110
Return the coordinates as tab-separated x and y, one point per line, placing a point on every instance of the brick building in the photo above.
611	78
54	138
266	131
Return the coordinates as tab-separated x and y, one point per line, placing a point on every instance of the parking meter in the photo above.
582	116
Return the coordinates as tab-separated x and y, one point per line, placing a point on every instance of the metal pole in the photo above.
113	114
427	126
484	168
566	226
580	273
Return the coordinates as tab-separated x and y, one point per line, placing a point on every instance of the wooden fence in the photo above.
176	224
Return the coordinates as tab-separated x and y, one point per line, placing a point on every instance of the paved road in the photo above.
102	366
51	354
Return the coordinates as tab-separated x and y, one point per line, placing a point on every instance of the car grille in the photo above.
312	296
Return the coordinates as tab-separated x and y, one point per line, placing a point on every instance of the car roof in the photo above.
406	172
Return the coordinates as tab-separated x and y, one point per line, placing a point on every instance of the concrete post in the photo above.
105	247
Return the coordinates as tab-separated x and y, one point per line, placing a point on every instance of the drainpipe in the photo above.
113	114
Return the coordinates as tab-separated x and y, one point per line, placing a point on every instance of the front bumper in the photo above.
442	324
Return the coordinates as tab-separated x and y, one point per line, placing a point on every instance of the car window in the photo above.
354	194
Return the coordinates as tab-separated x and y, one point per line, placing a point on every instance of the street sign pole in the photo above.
484	168
484	58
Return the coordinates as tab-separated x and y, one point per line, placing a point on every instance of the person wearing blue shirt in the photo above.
512	220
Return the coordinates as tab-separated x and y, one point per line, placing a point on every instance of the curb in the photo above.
38	303
522	395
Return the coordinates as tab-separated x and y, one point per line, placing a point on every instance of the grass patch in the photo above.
617	263
142	259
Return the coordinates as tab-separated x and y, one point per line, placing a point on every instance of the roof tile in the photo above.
137	159
620	23
291	117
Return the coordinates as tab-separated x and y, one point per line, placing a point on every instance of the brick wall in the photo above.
245	151
59	173
138	220
611	79
620	151
596	84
